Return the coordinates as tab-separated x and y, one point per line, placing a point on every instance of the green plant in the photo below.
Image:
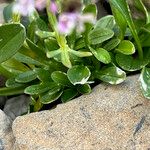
40	61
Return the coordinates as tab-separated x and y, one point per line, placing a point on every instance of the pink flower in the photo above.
69	21
53	7
24	7
40	4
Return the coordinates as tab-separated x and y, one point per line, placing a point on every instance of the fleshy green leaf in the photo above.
78	74
84	89
112	75
126	47
113	43
12	83
68	95
99	35
30	53
36	49
14	66
61	78
12	37
102	55
51	96
145	82
52	54
44	34
129	63
106	22
26	77
51	44
80	53
31	30
43	75
39	88
79	44
27	59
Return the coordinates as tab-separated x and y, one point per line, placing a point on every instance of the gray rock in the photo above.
6	136
16	106
110	118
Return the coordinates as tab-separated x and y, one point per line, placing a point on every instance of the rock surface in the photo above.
110	118
16	106
6	136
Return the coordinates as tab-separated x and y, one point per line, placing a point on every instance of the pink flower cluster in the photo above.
67	21
26	7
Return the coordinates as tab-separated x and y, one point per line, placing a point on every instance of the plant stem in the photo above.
12	91
53	21
61	39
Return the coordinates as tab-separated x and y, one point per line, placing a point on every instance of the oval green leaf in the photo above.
99	35
106	22
12	37
12	83
26	77
129	63
51	96
145	82
126	47
112	75
39	88
84	89
14	66
68	95
51	54
27	60
113	43
43	75
60	78
78	74
102	55
80	53
44	34
51	44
